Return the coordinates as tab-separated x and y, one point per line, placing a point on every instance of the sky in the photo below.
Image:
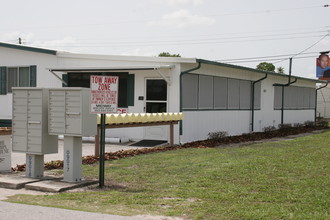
217	30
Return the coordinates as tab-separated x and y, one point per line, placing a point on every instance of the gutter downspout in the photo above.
181	74
285	85
253	90
316	100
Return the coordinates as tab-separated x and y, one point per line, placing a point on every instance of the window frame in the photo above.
18	77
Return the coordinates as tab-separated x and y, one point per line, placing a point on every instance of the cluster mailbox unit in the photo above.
69	116
39	115
30	128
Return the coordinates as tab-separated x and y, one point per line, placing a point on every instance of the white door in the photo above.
156	101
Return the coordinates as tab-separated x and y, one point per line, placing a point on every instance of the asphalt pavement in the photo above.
14	211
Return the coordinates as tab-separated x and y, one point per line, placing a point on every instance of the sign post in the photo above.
103	100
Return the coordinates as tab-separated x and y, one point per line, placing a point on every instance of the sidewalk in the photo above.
29	212
87	149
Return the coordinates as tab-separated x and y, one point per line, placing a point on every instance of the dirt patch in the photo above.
5	193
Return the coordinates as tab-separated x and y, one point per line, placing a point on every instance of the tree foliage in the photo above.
264	66
167	54
280	70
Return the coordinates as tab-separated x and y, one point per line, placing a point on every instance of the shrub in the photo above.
217	135
309	124
284	127
269	129
322	123
298	125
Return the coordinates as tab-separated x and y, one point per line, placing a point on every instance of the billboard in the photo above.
323	67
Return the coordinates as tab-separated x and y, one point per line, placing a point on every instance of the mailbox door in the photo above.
56	112
20	103
34	123
73	112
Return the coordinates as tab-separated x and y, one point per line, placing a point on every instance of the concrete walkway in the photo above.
88	149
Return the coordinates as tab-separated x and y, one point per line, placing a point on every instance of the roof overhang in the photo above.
255	70
157	68
109	69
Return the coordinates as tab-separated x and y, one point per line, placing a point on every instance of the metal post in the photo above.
102	147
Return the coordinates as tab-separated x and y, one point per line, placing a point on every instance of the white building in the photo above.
323	103
213	96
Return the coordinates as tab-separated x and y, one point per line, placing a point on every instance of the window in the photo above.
189	91
294	97
205	92
220	93
212	92
16	77
245	94
233	94
126	86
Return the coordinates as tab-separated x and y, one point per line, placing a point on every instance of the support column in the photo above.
34	166
72	159
171	134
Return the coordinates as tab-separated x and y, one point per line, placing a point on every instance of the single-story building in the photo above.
323	103
213	96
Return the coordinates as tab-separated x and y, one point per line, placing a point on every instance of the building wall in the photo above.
19	58
198	123
323	103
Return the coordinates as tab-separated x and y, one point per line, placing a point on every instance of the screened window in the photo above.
12	78
294	97
233	93
189	91
257	95
212	92
17	77
245	94
205	92
220	93
24	77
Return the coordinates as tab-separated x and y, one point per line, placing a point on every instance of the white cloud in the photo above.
182	19
66	44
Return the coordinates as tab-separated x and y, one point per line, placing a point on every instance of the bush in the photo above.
269	129
322	123
309	124
284	127
217	135
298	125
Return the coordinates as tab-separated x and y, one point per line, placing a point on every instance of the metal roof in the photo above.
28	48
255	70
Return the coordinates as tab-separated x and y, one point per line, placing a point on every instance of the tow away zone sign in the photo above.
104	94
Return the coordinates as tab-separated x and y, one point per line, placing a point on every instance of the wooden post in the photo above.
171	134
97	142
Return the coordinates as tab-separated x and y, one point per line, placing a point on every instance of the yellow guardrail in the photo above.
131	118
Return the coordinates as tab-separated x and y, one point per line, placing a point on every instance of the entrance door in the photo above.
156	101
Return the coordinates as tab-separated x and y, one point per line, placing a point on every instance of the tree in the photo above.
264	66
280	70
167	54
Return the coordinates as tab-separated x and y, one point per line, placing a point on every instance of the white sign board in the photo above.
104	94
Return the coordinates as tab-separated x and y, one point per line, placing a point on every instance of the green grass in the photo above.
278	180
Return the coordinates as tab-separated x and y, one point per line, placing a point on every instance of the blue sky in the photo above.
208	29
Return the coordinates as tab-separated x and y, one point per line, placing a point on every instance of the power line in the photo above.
264	60
262	57
328	34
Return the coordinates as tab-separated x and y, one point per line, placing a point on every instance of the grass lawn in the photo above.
278	180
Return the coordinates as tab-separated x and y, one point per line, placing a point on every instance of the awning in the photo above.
110	69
